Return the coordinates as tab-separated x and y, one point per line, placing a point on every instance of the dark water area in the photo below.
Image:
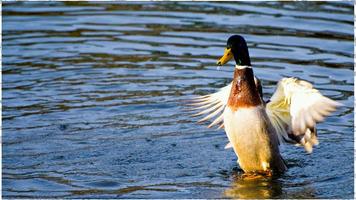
93	97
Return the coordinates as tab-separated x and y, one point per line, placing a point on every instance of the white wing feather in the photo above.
213	105
294	110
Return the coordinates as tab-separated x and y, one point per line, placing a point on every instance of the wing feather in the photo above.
212	105
294	110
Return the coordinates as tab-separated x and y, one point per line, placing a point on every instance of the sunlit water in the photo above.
93	97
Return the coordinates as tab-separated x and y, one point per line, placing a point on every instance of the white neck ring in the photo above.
242	66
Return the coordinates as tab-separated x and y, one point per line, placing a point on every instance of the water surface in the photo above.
93	92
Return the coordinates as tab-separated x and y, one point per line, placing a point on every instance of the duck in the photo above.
256	128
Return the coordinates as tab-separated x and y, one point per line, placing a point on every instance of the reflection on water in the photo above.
92	97
253	187
258	187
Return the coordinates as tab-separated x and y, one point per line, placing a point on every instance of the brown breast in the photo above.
243	91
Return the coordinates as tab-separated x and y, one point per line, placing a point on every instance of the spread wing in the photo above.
212	105
295	108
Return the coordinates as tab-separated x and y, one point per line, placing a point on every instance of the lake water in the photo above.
93	97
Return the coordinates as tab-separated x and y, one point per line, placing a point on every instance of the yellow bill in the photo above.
226	57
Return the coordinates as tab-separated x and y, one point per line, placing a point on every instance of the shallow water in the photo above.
93	97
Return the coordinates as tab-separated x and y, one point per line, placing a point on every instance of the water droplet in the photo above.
218	67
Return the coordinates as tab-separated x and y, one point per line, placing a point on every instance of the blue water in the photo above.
93	97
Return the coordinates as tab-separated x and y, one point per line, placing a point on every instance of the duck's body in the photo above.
256	128
248	127
255	142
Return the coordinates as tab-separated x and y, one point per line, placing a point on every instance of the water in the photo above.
93	97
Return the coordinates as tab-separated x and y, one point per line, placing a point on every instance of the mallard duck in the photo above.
256	128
